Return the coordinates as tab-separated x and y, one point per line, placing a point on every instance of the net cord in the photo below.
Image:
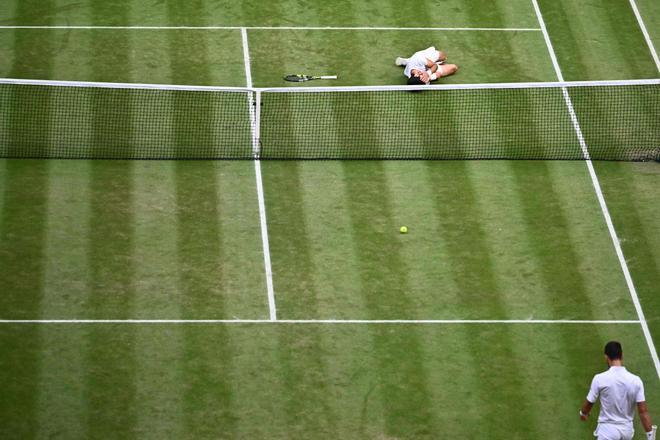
521	85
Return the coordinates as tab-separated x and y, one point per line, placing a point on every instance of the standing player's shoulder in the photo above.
633	378
603	374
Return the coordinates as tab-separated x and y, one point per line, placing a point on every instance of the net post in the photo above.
256	138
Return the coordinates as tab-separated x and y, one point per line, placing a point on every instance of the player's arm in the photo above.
421	75
644	416
585	410
592	396
432	70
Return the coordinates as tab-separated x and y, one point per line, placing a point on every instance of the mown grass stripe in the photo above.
207	390
159	381
23	235
60	401
302	373
290	240
155	246
386	290
67	249
22	243
3	184
331	241
554	247
200	267
61	404
111	398
471	257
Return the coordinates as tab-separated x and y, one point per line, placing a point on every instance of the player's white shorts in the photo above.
606	431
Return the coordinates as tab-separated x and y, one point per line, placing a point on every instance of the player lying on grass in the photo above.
425	66
619	392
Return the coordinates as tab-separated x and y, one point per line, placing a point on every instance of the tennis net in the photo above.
615	120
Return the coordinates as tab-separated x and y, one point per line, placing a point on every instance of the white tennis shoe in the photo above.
400	61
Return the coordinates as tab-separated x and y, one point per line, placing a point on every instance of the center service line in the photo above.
260	189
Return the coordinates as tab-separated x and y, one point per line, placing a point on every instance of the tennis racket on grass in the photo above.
303	78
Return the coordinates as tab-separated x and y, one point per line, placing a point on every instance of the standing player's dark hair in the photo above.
613	350
415	81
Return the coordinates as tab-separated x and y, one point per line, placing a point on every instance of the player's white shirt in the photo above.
619	392
418	60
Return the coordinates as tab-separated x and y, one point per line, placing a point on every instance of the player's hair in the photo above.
415	81
613	350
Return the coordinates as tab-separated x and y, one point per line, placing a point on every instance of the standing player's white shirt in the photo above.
619	391
418	60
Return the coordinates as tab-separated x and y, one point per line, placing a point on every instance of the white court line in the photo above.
642	26
288	28
601	198
517	85
313	321
260	189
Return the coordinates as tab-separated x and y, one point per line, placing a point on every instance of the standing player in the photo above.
619	392
425	66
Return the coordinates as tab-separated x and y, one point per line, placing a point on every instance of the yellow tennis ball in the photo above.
404	230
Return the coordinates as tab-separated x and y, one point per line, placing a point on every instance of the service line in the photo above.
318	321
288	28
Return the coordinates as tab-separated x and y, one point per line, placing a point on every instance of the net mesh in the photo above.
618	121
47	121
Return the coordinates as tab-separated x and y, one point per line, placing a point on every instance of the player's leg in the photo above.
627	432
446	70
608	432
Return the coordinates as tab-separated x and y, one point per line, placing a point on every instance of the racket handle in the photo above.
329	77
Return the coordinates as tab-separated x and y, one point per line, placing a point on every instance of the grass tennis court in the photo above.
486	320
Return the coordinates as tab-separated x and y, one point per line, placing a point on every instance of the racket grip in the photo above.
329	77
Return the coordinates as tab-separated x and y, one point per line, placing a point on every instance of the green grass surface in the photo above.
142	56
306	381
453	13
631	190
520	56
508	240
282	381
130	240
598	41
